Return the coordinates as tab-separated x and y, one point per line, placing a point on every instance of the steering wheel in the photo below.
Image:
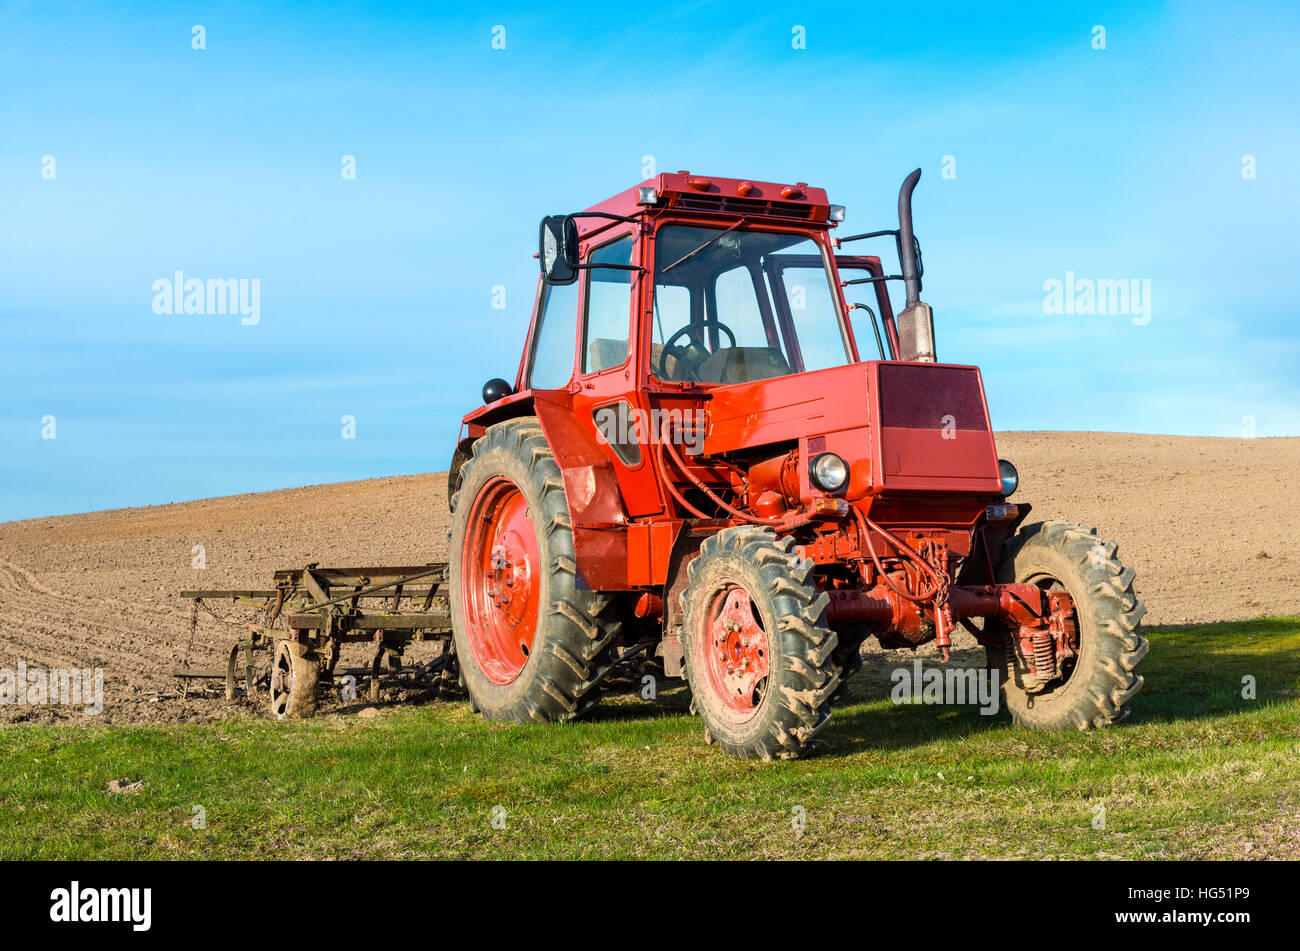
695	352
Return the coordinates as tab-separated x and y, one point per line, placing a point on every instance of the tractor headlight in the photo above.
1010	477
828	472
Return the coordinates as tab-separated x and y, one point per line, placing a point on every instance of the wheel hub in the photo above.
508	586
736	651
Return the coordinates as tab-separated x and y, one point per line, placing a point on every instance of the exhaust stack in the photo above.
916	322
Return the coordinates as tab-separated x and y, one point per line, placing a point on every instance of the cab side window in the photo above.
552	366
609	307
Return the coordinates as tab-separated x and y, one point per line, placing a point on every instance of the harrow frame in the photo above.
320	609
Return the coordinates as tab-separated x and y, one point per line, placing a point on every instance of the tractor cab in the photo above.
728	281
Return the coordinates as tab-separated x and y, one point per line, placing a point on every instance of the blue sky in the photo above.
376	293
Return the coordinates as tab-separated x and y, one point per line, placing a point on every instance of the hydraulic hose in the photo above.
665	440
866	526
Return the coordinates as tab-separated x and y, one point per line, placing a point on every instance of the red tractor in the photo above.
697	461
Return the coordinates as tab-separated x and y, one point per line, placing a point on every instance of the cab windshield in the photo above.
733	306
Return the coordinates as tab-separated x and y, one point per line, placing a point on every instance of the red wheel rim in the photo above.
733	646
500	581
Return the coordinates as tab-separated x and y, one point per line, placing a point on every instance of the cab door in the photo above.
606	380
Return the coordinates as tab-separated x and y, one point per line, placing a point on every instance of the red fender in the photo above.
592	491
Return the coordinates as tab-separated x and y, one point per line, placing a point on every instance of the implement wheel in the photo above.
759	653
1094	688
294	677
530	644
235	669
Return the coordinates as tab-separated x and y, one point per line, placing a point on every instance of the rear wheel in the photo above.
758	648
530	644
1093	689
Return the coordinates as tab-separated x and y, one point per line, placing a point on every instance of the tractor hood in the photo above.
931	421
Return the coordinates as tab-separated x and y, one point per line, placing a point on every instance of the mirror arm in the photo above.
611	218
898	244
617	267
869	234
602	214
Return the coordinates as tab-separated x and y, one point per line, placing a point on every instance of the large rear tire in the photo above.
757	645
530	645
1104	678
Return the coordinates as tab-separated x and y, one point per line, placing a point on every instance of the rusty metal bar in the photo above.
376	587
235	594
349	576
377	622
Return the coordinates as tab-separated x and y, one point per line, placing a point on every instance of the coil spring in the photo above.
1044	656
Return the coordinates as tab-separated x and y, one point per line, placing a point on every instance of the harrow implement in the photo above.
310	613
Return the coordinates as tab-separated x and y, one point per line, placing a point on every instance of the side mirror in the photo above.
558	249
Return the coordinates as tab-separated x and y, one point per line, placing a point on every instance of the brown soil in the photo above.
1212	527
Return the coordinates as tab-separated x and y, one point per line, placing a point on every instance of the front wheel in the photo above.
1094	689
759	653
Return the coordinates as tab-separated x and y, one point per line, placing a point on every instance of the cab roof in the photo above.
707	194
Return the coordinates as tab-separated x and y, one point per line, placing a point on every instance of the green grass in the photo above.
1197	772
